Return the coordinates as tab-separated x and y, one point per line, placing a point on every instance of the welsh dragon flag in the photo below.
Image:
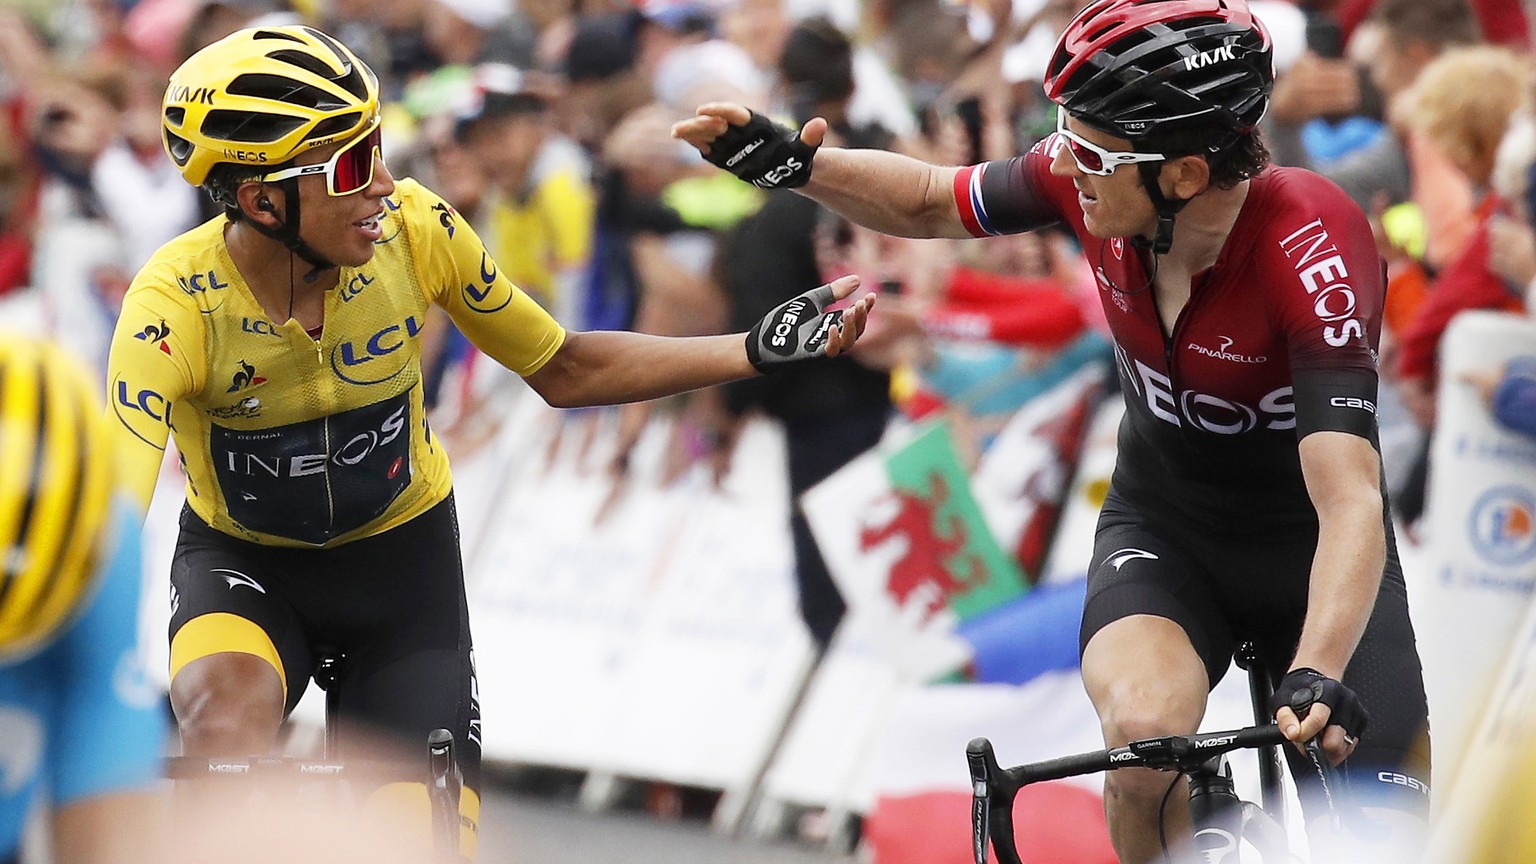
908	547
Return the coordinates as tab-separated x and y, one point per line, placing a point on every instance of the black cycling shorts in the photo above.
392	604
1231	589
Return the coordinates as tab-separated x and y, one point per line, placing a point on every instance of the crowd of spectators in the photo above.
545	122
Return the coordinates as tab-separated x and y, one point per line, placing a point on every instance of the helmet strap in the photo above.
1162	238
287	233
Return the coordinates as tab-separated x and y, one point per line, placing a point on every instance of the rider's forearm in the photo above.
889	192
612	367
1346	575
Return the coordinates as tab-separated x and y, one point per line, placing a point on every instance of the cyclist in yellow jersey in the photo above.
280	345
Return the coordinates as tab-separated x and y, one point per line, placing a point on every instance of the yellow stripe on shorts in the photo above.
219	632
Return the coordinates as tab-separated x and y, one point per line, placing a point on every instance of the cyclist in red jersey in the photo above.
1245	303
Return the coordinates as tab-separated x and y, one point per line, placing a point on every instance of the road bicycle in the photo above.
438	769
1221	820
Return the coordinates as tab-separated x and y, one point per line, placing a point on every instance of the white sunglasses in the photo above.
349	169
1093	159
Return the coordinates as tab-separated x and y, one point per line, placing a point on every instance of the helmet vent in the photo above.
249	127
353	81
179	147
276	34
176	115
286	90
334	126
304	60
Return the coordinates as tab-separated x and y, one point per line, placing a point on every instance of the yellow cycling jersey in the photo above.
298	441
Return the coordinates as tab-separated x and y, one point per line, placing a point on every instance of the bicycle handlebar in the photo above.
994	787
193	767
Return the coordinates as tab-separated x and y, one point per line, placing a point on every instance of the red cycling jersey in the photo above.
1278	338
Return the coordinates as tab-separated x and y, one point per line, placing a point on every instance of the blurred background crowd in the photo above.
546	124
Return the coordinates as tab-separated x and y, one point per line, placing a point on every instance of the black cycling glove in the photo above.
764	153
793	332
1301	688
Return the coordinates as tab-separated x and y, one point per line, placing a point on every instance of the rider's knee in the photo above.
228	704
1133	712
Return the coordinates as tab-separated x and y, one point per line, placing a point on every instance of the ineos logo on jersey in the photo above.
316	479
1202	59
1276	411
352	451
1325	278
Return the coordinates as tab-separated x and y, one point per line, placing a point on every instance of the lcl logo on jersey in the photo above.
1276	411
355	286
488	295
1326	281
142	411
375	359
156	334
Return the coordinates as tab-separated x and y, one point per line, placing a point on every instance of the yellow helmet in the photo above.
56	482
261	96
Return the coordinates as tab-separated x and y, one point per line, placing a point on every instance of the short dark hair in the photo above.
222	181
1239	159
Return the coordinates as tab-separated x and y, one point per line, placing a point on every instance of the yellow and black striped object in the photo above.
56	483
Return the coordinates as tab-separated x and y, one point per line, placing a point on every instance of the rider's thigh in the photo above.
1144	678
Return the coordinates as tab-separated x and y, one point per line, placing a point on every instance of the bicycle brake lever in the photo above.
992	795
1329	776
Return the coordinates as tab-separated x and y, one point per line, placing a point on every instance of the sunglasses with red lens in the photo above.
1093	159
349	169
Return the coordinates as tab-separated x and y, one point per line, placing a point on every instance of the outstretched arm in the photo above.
889	192
611	367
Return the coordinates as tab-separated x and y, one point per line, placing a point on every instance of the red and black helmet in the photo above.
1135	68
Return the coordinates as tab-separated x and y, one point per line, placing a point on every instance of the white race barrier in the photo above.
1481	523
662	642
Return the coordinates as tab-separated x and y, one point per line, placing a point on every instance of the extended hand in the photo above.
749	145
803	329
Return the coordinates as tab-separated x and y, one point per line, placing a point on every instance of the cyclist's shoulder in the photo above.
185	266
1290	197
423	219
